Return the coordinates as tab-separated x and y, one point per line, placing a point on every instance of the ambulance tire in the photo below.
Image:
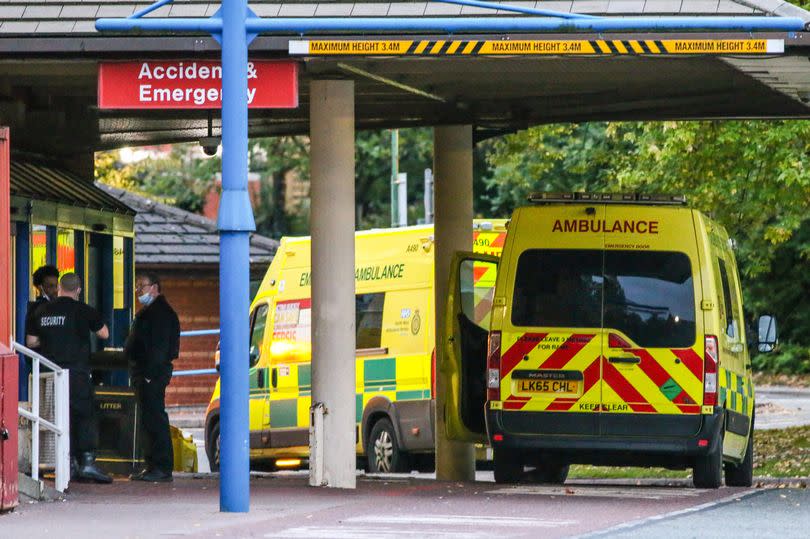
552	473
212	447
507	465
384	455
708	469
742	474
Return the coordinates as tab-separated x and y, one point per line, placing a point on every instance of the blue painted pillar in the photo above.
22	295
235	223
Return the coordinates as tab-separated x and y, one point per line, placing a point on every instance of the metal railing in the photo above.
197	333
61	424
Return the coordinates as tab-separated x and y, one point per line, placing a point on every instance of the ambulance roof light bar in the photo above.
608	198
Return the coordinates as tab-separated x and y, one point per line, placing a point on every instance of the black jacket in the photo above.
154	341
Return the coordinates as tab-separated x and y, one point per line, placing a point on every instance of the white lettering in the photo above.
203	72
171	72
251	95
158	72
177	94
145	73
144	93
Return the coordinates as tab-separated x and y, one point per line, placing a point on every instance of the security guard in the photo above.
152	345
46	281
61	328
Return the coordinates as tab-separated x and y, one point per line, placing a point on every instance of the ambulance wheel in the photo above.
507	465
551	472
384	455
742	474
708	469
212	447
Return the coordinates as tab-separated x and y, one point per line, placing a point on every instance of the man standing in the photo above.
46	281
61	329
153	344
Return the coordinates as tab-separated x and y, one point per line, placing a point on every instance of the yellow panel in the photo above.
118	272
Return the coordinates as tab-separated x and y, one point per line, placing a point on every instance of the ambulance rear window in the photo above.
649	296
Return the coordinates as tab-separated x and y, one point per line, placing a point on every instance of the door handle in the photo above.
625	360
274	378
260	378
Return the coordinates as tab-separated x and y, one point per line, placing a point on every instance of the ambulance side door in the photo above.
259	373
464	344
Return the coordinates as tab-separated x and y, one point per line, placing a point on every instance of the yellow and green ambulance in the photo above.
395	347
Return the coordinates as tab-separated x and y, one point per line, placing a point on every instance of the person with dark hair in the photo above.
152	345
46	281
62	328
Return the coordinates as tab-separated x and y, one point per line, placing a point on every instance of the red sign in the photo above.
192	84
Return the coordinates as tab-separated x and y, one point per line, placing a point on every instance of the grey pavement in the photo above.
783	513
779	407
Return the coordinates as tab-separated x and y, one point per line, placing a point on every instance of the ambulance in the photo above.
616	337
395	369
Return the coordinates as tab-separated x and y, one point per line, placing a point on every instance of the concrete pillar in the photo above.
453	186
333	308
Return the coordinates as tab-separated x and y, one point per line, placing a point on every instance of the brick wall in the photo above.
195	298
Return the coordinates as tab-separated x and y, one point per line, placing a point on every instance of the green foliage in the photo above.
788	359
750	176
180	179
276	160
373	173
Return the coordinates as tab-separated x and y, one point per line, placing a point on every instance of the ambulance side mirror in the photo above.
767	335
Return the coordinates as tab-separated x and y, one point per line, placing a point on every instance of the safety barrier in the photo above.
61	423
197	333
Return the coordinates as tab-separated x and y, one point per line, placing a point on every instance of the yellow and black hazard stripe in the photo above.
511	47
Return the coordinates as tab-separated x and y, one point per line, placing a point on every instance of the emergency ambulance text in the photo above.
601	225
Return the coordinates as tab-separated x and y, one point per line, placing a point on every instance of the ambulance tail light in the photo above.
494	366
710	365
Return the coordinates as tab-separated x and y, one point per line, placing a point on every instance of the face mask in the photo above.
145	299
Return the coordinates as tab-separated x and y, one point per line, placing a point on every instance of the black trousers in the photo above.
157	443
83	426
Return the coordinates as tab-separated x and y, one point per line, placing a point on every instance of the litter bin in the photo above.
119	444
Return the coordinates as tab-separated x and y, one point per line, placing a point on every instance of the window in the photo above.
368	321
728	303
257	333
558	288
650	297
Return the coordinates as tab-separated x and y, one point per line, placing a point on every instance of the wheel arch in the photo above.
377	408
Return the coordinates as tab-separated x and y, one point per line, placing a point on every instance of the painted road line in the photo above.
533	47
370	532
635	492
423	526
627	526
464	520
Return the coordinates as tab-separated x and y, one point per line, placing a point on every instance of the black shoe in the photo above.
88	471
157	476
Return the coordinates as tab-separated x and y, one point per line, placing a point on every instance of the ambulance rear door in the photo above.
551	331
463	365
652	363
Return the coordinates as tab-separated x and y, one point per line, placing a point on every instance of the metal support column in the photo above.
453	185
333	304
235	222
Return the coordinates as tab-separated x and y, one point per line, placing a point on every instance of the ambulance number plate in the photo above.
547	382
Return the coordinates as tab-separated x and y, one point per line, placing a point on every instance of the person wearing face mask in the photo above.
46	281
152	345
